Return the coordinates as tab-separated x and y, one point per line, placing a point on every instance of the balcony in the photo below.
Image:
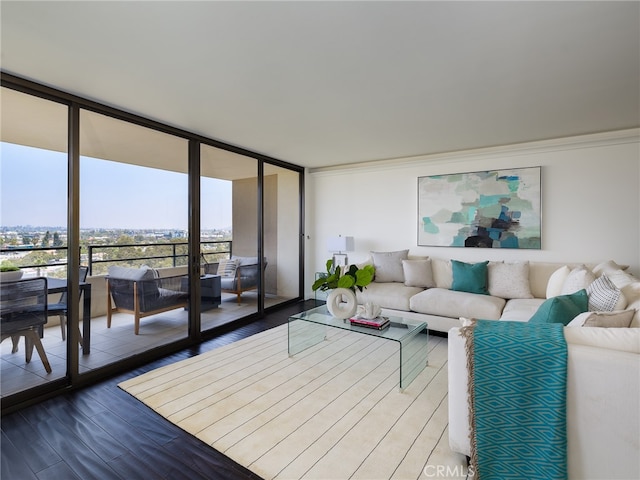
113	344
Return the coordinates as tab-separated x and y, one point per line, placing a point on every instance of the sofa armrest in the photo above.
603	408
603	401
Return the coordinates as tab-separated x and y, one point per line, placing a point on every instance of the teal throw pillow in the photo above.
470	277
562	309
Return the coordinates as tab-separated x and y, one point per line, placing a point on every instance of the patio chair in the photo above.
23	313
237	274
60	307
140	292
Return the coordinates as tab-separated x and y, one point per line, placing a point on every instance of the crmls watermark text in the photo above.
448	471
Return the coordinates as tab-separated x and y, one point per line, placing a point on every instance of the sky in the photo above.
112	195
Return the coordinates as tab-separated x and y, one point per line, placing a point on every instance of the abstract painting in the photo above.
490	209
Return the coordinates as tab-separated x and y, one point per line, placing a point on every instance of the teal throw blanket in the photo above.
518	389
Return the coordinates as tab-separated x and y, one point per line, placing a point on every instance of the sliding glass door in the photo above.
134	233
117	189
229	235
281	234
33	237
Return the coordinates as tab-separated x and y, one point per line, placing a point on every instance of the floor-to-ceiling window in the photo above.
117	187
33	236
229	234
281	234
134	216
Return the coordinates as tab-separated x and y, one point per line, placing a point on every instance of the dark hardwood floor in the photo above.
102	433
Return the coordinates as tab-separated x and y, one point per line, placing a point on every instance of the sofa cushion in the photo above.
562	309
578	279
615	319
454	304
442	272
392	295
389	265
521	309
635	323
604	296
605	268
509	280
626	282
418	273
470	277
556	281
630	287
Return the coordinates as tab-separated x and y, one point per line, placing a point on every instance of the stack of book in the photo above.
378	323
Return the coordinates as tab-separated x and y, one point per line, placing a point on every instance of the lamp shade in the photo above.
340	244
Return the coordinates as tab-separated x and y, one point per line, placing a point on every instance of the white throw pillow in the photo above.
442	272
607	268
556	281
579	278
509	280
617	319
418	273
228	267
389	265
604	296
629	285
368	261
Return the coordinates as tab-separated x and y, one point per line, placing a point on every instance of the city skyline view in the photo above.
112	194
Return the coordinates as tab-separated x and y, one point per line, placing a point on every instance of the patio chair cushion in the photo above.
135	274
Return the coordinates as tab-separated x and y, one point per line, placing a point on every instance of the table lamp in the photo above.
339	246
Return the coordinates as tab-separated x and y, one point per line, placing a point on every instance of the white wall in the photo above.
590	202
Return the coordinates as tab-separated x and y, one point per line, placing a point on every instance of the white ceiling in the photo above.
328	83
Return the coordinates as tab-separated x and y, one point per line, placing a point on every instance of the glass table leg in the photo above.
302	335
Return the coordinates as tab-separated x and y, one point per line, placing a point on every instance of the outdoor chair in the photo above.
141	292
60	307
237	274
23	313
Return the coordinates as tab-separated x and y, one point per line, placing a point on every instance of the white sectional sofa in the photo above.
421	288
603	401
603	369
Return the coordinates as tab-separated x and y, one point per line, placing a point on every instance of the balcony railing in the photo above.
99	257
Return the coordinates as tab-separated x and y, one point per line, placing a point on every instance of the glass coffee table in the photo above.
309	328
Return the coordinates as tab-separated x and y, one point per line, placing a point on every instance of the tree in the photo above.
57	241
46	239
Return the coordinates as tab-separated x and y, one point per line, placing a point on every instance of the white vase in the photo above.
342	303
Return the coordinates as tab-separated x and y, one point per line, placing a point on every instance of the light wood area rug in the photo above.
333	411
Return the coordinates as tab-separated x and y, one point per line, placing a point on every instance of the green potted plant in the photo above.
352	278
9	272
341	301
